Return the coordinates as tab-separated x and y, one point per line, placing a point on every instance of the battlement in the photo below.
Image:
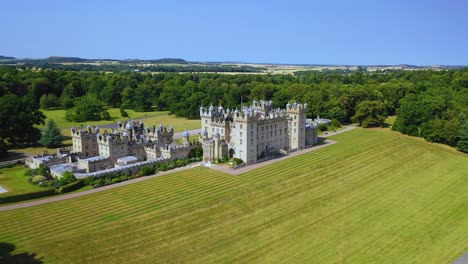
113	139
81	131
297	108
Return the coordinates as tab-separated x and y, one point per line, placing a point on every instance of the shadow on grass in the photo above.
7	256
12	156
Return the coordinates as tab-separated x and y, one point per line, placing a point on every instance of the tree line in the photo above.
429	104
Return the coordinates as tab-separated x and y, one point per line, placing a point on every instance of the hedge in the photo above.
48	192
71	187
27	196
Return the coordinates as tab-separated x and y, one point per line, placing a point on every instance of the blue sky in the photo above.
314	32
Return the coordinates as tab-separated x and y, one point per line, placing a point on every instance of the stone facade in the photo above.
128	144
255	132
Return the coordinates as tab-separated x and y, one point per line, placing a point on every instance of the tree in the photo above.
48	101
86	108
18	117
370	113
52	136
462	144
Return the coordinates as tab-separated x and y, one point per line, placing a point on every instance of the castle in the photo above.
130	143
255	132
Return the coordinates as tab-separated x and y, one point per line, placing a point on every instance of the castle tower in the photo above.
186	138
84	141
297	124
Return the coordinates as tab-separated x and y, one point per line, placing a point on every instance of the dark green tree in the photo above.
18	117
48	101
462	144
87	108
52	136
370	113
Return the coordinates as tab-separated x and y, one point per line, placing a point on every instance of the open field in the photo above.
15	182
375	197
149	118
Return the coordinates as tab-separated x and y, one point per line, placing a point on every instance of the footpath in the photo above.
221	168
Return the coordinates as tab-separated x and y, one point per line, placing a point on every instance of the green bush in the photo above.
38	178
335	123
237	161
323	127
146	170
71	186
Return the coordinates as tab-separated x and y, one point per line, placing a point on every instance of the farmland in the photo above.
375	197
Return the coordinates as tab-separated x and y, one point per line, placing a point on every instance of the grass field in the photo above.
149	118
375	197
15	182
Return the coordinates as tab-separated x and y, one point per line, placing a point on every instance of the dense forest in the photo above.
429	104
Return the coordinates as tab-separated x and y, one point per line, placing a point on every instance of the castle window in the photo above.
294	130
206	121
251	126
294	123
241	126
240	142
294	117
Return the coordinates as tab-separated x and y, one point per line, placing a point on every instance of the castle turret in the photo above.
297	124
186	138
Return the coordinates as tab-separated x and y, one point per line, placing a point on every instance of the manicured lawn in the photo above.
15	182
375	197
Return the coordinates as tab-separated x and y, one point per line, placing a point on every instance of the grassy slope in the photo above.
15	182
376	197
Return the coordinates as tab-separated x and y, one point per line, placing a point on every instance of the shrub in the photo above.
38	178
323	127
335	123
146	170
71	186
237	161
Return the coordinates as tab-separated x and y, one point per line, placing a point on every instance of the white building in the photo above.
255	132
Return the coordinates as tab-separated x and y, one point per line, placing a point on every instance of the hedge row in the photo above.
48	192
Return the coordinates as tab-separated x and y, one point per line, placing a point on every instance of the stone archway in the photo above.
231	153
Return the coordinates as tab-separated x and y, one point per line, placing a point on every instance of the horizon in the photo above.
298	32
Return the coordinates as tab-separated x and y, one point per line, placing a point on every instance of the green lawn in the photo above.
375	197
15	182
150	118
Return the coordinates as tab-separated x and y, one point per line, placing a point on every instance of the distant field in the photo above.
149	118
375	197
15	182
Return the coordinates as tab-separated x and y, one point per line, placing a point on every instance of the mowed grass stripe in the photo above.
140	241
263	215
135	208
